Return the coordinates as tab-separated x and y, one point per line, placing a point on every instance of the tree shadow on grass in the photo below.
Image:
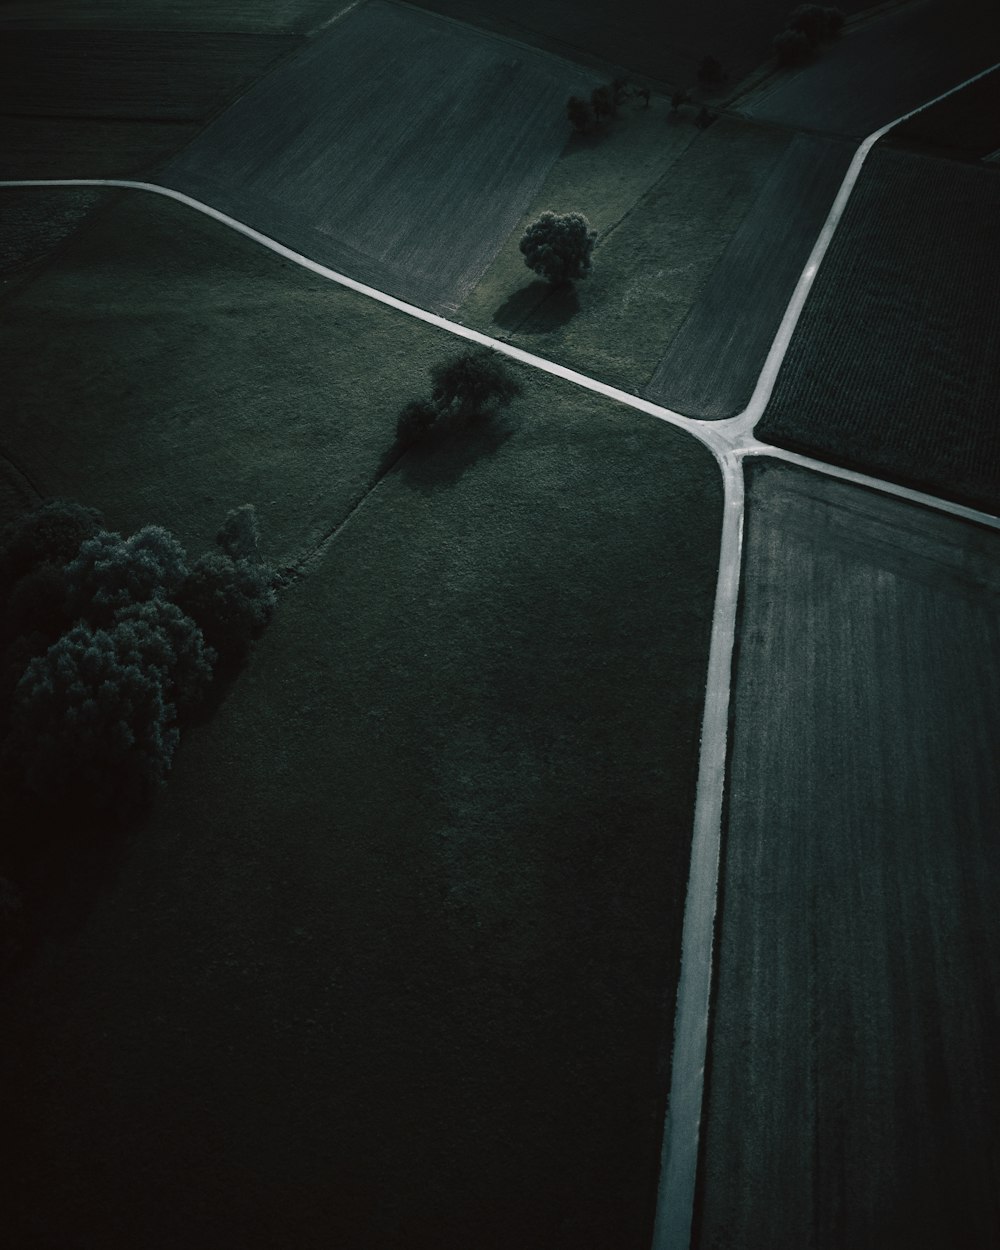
443	457
538	308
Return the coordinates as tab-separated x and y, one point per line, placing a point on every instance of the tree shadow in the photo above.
538	308
441	458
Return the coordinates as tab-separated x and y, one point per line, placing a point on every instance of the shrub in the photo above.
49	534
558	247
157	634
579	114
791	47
472	384
232	602
110	572
414	421
239	534
90	718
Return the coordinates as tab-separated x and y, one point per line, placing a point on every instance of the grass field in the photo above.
853	1095
413	172
882	70
33	223
665	43
393	963
650	263
713	362
892	368
252	16
966	124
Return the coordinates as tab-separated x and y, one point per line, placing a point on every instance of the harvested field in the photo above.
882	70
252	16
649	266
966	124
893	367
853	1092
394	962
413	172
713	363
665	43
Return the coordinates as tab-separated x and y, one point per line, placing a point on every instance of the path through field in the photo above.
729	441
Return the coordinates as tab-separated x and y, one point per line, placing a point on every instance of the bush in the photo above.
110	572
157	634
232	602
415	421
579	114
472	384
90	718
49	534
558	247
239	534
791	47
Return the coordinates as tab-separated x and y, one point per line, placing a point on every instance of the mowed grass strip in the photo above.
713	363
893	367
853	1094
412	172
164	368
394	962
650	264
252	16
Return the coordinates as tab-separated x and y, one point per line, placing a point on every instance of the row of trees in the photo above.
110	644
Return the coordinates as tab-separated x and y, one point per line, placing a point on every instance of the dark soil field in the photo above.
853	1094
99	103
662	42
966	124
885	68
393	963
411	174
893	367
649	266
712	364
253	16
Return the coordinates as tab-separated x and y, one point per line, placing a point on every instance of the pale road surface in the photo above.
729	441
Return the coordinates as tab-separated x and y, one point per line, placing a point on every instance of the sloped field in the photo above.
853	1094
713	362
411	173
893	368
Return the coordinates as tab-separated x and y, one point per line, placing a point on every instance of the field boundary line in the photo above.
782	339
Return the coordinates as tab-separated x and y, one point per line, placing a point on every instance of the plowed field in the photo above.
853	1091
893	368
412	172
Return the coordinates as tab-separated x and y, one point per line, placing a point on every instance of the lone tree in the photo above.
558	247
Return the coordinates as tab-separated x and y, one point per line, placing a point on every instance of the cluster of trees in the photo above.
465	388
109	644
605	100
809	25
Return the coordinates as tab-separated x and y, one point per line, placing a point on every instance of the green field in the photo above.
852	1094
892	368
657	248
393	962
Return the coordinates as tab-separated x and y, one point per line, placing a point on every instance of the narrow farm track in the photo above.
729	441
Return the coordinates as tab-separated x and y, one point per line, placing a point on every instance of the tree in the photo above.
157	634
791	47
472	384
49	534
558	247
602	102
232	602
679	98
579	114
111	572
239	534
91	720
